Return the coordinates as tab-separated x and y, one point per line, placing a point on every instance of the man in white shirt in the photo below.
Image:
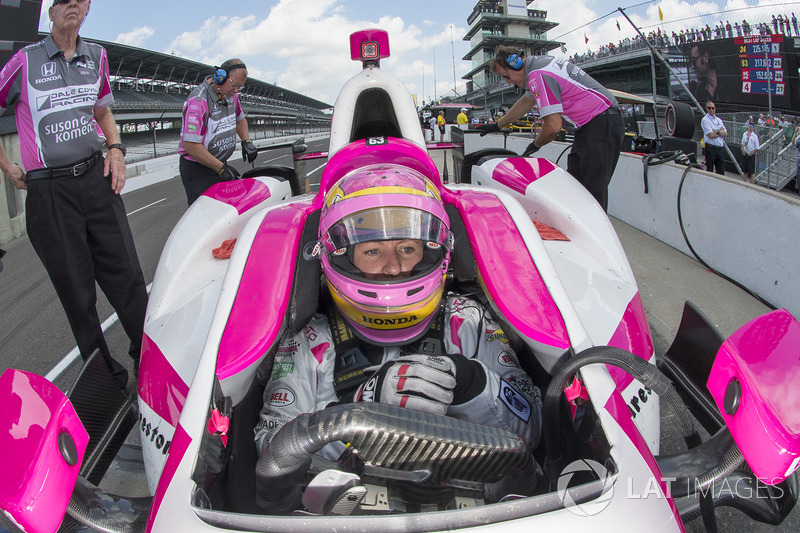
713	134
750	146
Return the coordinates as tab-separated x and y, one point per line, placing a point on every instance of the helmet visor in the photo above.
385	224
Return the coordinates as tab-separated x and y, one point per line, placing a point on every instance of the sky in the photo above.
303	45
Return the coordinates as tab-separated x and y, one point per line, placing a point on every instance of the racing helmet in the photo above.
385	202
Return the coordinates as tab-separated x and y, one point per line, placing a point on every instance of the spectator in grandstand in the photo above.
750	146
714	133
76	219
789	126
566	97
212	117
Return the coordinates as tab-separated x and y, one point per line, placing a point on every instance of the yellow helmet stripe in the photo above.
401	317
337	195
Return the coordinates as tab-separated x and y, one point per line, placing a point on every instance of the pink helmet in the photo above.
385	202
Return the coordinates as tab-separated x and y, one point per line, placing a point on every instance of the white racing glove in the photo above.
420	382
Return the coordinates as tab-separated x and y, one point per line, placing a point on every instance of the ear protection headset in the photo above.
220	74
515	62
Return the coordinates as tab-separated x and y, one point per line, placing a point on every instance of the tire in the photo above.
679	120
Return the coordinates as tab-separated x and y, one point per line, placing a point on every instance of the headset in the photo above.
515	62
220	74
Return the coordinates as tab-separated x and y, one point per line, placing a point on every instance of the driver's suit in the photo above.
303	371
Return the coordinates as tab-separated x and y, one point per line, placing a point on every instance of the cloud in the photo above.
303	45
136	37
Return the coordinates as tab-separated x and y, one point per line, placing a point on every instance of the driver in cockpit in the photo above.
385	332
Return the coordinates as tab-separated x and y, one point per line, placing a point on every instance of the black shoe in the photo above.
121	377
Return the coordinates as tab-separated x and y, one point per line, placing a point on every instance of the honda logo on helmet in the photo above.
48	69
390	321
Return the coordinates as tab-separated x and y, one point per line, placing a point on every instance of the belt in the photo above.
78	169
609	111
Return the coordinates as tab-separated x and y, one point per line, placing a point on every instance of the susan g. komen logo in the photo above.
585	470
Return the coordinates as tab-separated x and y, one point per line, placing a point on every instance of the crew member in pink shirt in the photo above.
212	118
567	98
75	217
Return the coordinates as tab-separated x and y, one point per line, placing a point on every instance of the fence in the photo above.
776	162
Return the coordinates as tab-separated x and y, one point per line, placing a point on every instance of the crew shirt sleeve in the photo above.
509	399
105	97
546	91
239	112
11	81
195	115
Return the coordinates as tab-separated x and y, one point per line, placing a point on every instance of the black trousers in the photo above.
79	229
715	159
196	178
749	164
595	152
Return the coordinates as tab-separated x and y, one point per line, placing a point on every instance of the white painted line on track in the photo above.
145	207
73	355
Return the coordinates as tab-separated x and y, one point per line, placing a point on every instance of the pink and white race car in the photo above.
543	257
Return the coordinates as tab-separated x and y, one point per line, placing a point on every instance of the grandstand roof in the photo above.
139	64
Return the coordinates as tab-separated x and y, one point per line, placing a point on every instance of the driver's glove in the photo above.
489	128
249	151
420	382
228	173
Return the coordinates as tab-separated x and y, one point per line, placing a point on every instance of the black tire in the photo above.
679	120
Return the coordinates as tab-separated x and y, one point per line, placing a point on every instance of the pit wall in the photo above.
747	232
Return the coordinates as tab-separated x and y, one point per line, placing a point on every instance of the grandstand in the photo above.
150	88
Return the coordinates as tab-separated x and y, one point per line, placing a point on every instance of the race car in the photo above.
542	256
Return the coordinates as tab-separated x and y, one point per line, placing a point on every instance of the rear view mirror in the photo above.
755	382
42	443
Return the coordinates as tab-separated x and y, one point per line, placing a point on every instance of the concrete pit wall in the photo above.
746	232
